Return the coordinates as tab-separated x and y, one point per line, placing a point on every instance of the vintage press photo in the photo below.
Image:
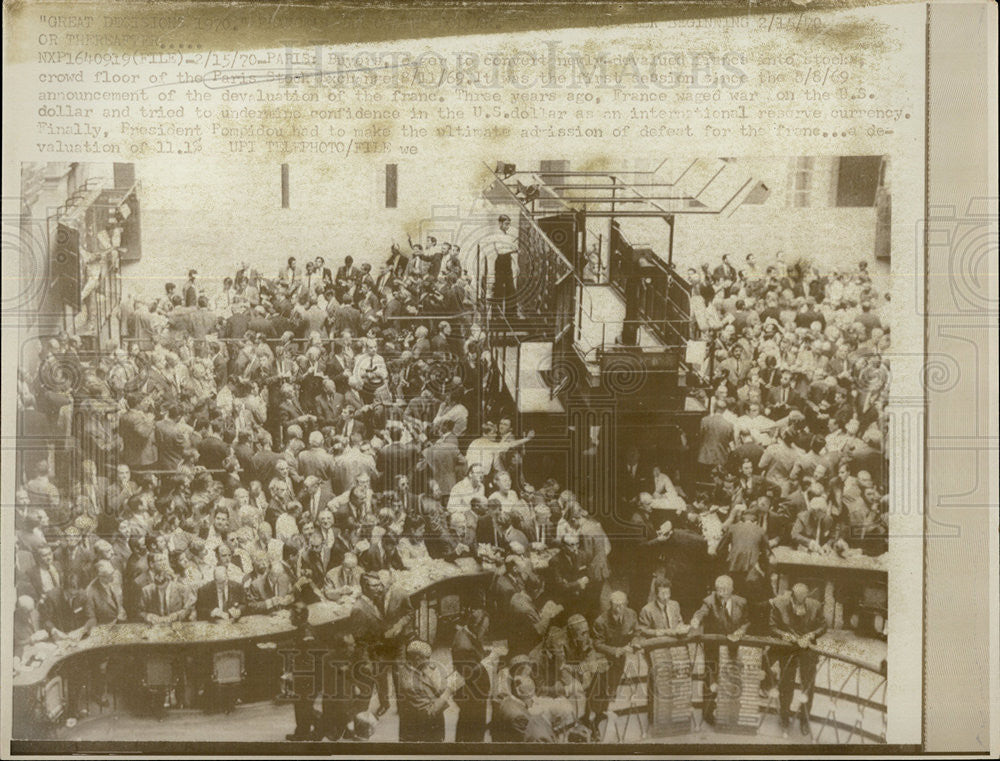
388	384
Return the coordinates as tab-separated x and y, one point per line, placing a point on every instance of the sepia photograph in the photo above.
594	455
490	379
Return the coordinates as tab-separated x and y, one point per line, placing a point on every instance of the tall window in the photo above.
858	180
801	181
391	185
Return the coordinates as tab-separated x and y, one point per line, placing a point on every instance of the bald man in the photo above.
797	619
422	696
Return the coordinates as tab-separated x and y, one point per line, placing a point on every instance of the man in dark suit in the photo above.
397	458
568	578
315	560
237	324
444	458
314	497
716	436
220	599
797	619
632	481
613	633
467	656
745	547
171	440
326	406
212	450
137	429
272	590
102	600
722	612
783	398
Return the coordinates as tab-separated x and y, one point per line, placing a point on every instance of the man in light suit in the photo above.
164	601
661	616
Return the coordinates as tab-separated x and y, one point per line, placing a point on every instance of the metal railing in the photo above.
849	695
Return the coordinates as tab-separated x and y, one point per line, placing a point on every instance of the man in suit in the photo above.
722	612
423	696
797	619
783	398
314	497
444	458
164	601
631	480
212	450
326	406
815	527
171	440
661	616
396	459
716	436
44	576
144	325
347	274
102	600
316	461
613	633
220	599
467	657
746	549
380	555
271	591
568	578
378	623
351	422
137	429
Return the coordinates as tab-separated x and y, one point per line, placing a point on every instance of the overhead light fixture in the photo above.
505	170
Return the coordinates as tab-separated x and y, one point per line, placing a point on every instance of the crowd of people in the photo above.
310	436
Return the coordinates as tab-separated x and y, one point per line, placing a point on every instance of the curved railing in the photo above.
849	697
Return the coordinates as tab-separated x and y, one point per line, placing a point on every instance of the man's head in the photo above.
105	572
418	653
724	588
571	541
617	603
662	591
800	593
